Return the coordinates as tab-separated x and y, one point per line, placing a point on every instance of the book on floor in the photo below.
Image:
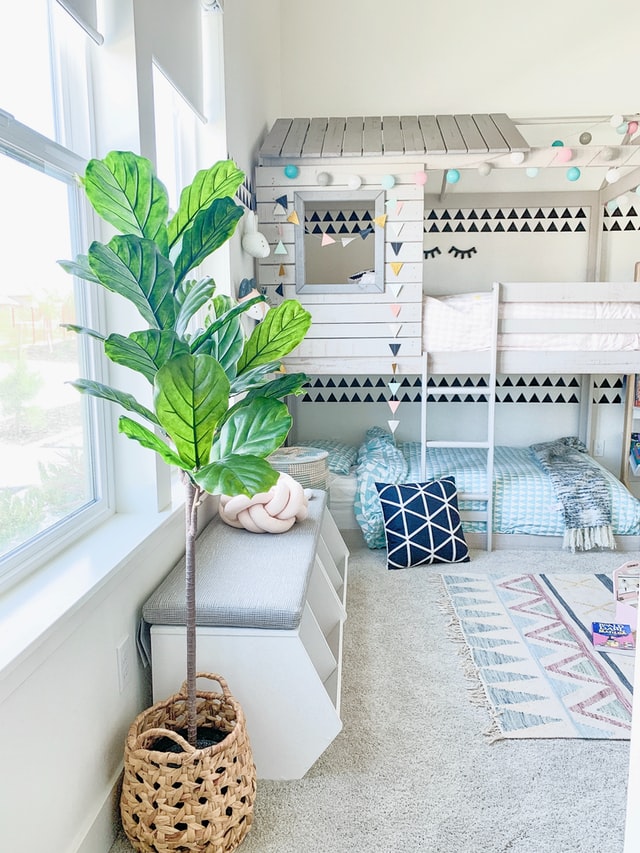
613	637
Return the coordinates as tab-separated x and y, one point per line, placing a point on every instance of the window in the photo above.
51	483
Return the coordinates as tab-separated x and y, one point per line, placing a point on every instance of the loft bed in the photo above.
516	328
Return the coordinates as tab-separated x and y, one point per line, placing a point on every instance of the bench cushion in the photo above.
243	579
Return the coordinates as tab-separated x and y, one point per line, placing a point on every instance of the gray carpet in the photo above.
412	772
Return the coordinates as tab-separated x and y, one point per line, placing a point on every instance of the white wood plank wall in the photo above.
349	330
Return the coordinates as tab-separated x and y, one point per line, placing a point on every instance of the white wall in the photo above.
375	57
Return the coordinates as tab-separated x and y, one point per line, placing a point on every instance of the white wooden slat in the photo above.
315	137
434	144
409	293
268	211
330	365
272	145
269	274
363	330
374	312
352	144
407	252
473	140
568	326
361	347
526	291
392	135
408	273
410	210
292	146
510	132
332	146
274	259
372	136
271	182
451	135
274	233
490	133
413	139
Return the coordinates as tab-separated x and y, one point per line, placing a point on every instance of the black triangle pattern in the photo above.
608	389
438	221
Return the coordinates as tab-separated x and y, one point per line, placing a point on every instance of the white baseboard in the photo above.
100	835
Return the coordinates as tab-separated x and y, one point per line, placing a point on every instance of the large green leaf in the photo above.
211	227
191	395
124	191
134	268
256	429
220	181
191	296
226	345
80	268
105	392
145	351
254	378
148	439
281	331
201	341
237	475
84	330
283	385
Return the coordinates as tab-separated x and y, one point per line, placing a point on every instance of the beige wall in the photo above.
375	57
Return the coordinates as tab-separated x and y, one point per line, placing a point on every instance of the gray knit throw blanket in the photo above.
582	490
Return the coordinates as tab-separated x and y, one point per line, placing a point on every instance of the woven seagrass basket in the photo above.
197	799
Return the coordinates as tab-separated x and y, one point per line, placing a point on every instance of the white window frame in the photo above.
40	152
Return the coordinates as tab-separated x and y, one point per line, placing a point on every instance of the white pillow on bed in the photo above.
458	322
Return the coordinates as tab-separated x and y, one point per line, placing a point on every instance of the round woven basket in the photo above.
197	799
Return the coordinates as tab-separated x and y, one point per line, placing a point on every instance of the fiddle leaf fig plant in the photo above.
217	407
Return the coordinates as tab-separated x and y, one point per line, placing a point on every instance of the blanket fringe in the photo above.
587	538
475	688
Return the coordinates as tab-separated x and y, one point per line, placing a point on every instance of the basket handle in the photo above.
214	677
155	734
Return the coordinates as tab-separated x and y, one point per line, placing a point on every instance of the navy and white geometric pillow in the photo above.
422	523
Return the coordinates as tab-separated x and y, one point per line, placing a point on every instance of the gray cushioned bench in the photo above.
243	579
269	614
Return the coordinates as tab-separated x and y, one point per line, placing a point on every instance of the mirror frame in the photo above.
339	197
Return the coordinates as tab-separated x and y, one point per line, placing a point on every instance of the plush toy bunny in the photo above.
253	242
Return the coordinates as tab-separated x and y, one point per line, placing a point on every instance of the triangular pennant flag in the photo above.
394	367
281	270
346	240
394	288
396	266
395	348
395	309
395	328
391	201
393	405
293	217
364	232
380	220
395	228
282	201
280	290
326	240
393	425
280	249
396	248
393	387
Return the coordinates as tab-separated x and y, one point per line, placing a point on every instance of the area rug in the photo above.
527	640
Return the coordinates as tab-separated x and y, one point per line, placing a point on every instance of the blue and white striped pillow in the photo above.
341	456
422	523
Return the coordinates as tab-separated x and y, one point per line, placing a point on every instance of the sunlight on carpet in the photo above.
526	642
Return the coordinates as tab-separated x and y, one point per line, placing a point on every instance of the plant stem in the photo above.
192	500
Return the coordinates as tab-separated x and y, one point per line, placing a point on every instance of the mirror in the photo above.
338	246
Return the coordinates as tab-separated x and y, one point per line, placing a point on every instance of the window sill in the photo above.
43	610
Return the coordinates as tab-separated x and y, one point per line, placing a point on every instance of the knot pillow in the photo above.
275	511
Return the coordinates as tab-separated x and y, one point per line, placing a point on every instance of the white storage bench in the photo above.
270	610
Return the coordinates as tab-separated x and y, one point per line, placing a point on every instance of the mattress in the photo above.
463	322
524	498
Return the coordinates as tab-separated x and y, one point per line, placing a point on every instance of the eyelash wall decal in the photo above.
431	253
462	253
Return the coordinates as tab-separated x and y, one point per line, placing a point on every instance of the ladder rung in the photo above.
484	444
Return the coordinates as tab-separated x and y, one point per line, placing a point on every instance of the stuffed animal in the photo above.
253	242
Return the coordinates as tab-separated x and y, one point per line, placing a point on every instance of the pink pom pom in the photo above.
564	155
420	178
632	127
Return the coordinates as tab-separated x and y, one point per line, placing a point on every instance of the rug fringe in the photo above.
475	689
587	538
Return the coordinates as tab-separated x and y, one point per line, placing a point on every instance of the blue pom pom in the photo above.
453	176
291	171
573	173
